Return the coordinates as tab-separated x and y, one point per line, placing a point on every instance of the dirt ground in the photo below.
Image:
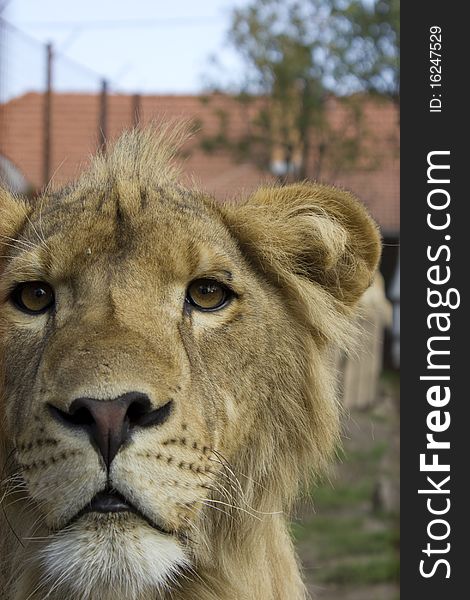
348	533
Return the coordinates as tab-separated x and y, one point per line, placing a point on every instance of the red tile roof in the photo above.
75	137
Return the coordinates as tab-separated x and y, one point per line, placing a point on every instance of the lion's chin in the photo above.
111	556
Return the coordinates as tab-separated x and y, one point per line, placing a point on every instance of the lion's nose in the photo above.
110	422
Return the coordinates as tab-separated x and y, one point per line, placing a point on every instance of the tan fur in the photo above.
254	414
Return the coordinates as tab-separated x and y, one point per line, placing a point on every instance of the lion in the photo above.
167	387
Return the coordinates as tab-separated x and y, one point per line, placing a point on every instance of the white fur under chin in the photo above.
110	558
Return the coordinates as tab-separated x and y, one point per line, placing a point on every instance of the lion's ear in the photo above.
13	213
314	231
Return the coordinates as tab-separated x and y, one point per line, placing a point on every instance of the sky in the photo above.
145	46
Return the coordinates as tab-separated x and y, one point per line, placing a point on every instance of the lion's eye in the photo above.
33	297
207	294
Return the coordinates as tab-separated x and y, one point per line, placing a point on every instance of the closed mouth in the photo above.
108	502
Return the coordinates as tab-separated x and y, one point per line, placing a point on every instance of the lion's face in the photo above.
123	324
144	354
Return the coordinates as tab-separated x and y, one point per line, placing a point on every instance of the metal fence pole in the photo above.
136	109
47	131
103	118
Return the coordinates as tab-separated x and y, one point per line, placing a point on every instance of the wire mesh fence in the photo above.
54	112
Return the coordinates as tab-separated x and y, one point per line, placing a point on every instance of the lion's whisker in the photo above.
205	503
234	507
16	241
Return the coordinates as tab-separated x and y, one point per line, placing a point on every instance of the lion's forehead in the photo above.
122	231
121	205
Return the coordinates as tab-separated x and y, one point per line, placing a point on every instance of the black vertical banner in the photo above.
435	331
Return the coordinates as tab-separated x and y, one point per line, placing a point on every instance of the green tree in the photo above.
367	46
297	55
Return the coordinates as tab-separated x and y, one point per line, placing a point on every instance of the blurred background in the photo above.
277	90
